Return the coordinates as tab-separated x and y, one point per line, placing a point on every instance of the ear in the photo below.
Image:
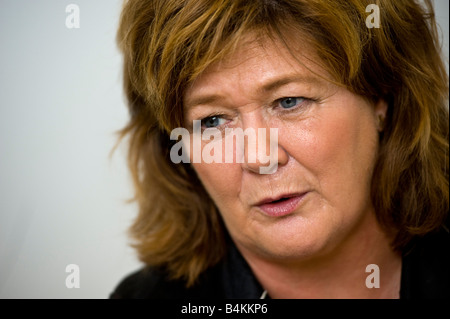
381	107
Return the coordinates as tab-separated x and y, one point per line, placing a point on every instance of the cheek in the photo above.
338	150
332	146
320	143
221	181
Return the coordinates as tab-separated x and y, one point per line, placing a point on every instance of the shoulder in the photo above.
426	267
154	283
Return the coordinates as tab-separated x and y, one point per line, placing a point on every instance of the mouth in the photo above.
282	205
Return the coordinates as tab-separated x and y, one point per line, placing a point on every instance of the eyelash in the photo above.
275	104
218	115
306	101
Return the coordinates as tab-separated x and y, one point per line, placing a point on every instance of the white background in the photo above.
62	198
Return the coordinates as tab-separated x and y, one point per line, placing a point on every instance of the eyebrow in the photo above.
277	83
272	85
203	100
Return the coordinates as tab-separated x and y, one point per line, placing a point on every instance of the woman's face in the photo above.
327	146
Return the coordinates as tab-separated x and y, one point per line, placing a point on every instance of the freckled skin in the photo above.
326	148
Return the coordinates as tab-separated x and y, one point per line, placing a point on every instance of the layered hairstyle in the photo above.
166	44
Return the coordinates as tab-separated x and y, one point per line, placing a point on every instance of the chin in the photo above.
294	244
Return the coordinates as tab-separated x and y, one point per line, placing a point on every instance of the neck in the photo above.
339	274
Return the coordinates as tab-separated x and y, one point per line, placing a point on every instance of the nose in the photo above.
263	154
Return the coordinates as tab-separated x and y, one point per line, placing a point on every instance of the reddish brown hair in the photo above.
168	43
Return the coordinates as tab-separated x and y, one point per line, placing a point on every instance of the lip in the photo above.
281	205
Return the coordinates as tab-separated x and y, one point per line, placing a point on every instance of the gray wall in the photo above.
62	199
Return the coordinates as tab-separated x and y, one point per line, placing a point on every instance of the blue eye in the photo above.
212	121
290	102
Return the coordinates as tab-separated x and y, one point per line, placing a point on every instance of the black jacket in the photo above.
425	274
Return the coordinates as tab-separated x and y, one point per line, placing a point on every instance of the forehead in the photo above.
258	63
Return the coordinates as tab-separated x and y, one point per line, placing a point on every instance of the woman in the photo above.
356	205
